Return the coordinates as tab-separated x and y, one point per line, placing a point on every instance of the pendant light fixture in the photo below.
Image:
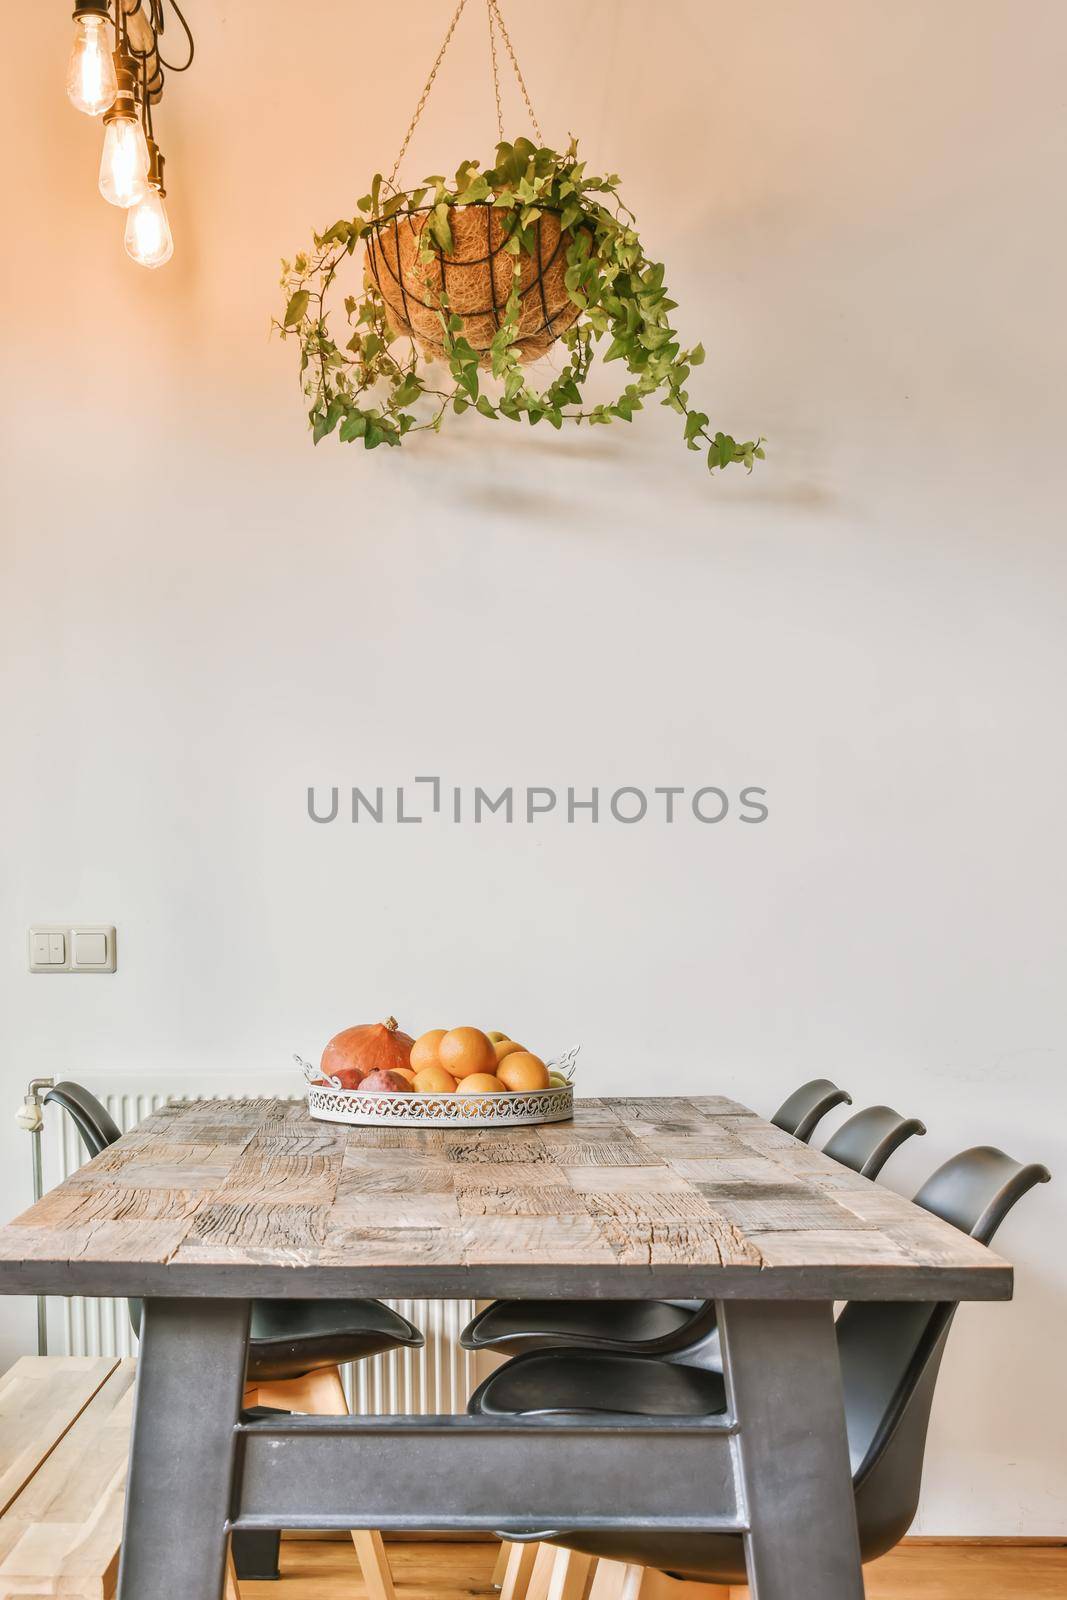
91	81
117	71
149	240
124	158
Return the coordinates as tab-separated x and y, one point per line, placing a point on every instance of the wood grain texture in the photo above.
61	1535
39	1401
695	1197
456	1571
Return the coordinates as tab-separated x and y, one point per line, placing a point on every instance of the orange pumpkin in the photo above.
356	1052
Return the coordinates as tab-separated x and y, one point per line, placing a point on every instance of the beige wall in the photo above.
861	209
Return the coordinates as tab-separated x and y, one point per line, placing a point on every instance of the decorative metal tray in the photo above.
364	1108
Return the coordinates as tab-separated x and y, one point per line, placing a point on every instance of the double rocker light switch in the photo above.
47	949
85	948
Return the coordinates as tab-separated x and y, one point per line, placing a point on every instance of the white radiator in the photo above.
437	1379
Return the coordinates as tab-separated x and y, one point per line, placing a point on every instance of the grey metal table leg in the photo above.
190	1380
784	1381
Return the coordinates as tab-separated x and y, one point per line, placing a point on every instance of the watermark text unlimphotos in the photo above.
427	797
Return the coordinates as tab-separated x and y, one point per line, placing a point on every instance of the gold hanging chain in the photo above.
494	6
496	20
496	74
426	92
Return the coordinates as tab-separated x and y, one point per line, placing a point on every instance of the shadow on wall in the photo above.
556	475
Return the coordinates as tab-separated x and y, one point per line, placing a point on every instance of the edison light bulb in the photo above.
91	81
149	240
124	160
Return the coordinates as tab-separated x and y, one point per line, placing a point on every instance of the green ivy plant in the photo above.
370	383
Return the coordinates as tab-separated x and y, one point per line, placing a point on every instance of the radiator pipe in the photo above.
31	1117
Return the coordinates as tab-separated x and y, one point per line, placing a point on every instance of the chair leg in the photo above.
609	1580
501	1567
570	1570
322	1394
541	1575
374	1563
519	1571
232	1592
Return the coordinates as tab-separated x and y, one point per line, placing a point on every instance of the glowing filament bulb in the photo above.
149	240
91	82
124	160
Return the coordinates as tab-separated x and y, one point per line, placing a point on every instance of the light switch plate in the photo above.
72	947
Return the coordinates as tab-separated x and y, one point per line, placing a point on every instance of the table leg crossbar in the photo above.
517	1478
774	1469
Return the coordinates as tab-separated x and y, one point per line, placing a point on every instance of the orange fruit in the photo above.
404	1072
424	1050
479	1083
435	1080
522	1072
505	1047
463	1051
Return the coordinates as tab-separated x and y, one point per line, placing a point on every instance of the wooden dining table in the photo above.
207	1205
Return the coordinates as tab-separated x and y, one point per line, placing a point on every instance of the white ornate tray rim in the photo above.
365	1109
362	1108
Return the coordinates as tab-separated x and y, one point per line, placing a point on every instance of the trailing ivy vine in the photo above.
372	384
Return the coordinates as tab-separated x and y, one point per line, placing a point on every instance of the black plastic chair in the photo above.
890	1356
866	1141
644	1327
662	1327
94	1122
288	1339
803	1110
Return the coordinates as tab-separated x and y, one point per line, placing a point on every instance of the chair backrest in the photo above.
891	1352
976	1190
95	1123
805	1108
866	1141
98	1129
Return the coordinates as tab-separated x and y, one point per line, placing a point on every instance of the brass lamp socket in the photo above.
155	168
90	8
125	103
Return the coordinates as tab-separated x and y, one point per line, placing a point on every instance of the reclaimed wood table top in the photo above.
693	1197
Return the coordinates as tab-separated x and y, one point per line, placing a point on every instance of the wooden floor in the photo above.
423	1571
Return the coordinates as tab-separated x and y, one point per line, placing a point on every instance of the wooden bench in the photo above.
64	1438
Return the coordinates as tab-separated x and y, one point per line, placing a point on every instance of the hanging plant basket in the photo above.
475	277
467	283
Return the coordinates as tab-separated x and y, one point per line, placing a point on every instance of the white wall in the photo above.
861	209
